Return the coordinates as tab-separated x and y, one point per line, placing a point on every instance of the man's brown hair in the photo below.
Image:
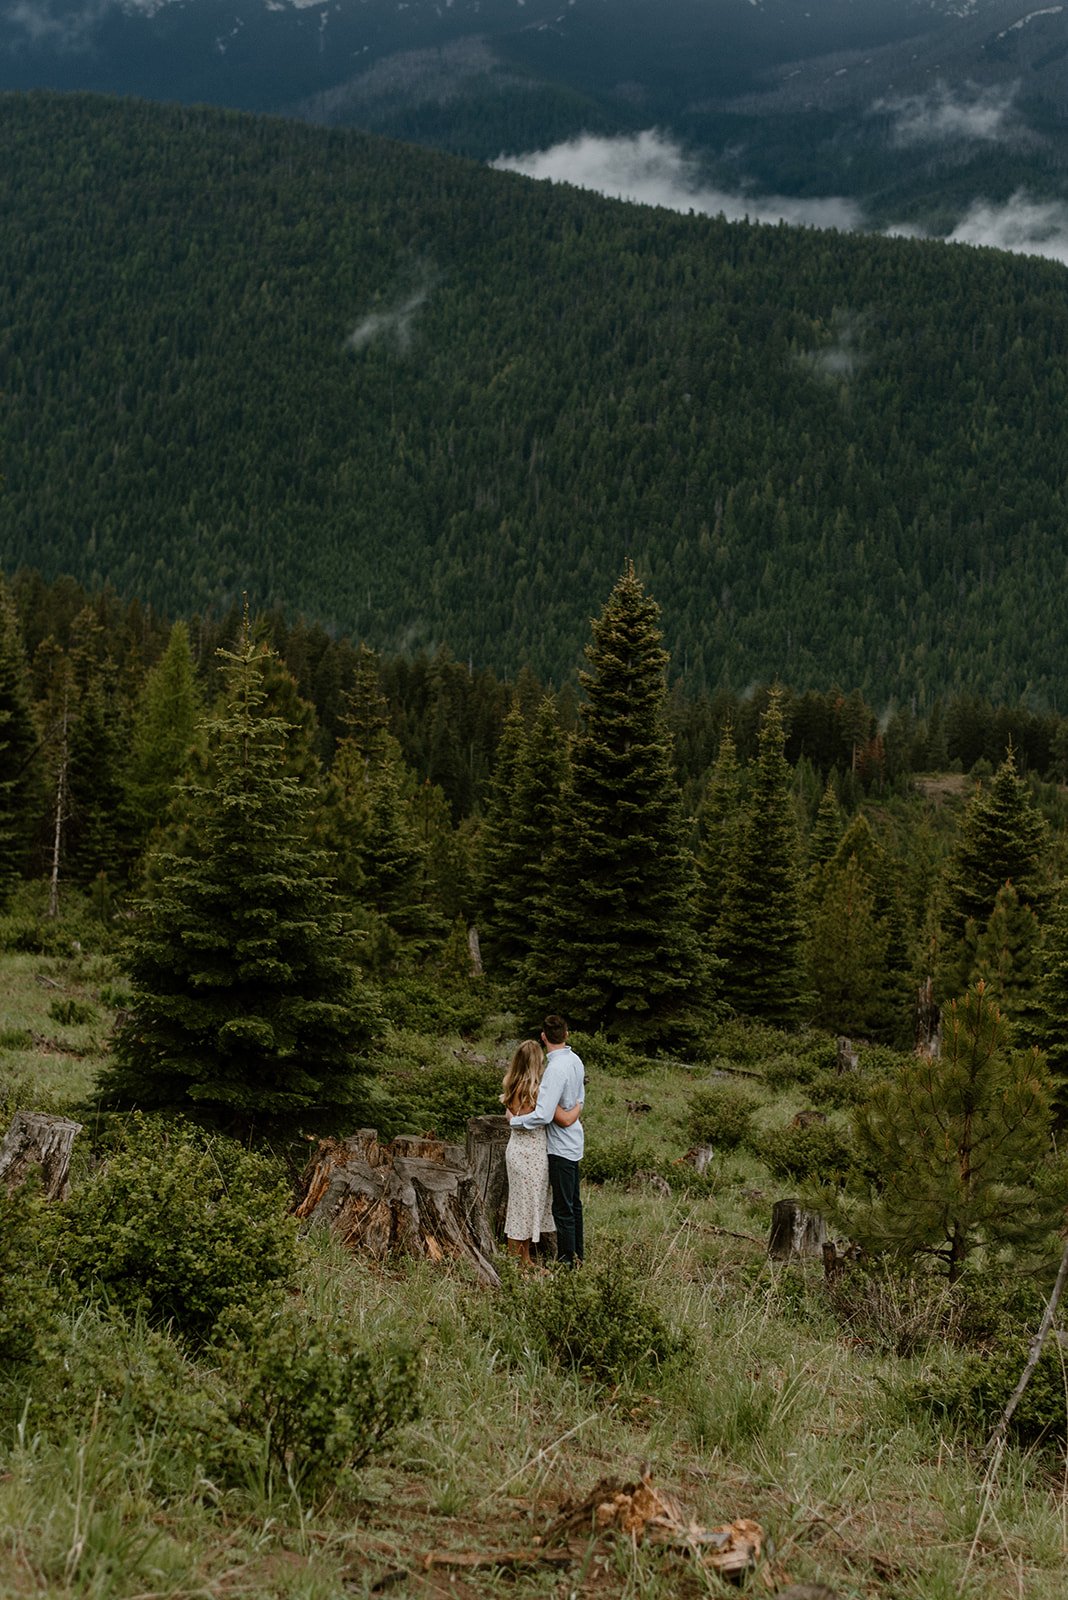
555	1029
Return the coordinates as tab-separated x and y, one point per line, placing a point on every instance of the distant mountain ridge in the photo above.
800	99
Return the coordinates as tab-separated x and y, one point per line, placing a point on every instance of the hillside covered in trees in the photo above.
427	403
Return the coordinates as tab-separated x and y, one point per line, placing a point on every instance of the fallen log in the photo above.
36	1141
414	1197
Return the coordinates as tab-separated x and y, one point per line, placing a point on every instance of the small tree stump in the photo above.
35	1140
847	1055
700	1158
795	1232
412	1197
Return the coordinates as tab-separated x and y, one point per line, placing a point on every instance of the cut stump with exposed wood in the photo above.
37	1142
795	1231
414	1197
487	1140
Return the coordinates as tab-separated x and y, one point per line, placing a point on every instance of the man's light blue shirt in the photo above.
563	1084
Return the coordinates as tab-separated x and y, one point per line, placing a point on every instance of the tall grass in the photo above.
781	1411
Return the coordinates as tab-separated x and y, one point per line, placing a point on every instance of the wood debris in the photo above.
651	1515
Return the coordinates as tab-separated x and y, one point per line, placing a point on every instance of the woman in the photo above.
529	1212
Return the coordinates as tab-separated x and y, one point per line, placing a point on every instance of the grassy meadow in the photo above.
746	1391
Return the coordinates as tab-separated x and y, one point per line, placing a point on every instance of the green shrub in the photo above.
317	1402
15	1039
748	1044
817	1153
600	1321
180	1227
611	1161
838	1090
973	1390
27	1298
441	1096
720	1115
425	1003
72	1013
603	1055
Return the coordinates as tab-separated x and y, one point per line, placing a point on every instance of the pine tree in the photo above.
762	929
18	743
1002	838
847	962
95	843
245	1011
516	846
1007	961
1051	1029
368	821
826	829
168	710
504	929
950	1148
717	830
618	949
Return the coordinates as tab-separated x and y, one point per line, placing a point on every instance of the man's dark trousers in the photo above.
567	1208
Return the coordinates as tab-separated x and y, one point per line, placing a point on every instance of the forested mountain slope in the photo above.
428	402
917	110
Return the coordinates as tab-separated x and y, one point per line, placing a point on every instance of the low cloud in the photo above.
840	360
394	325
1025	226
651	169
69	32
943	114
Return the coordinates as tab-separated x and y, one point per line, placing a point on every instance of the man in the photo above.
563	1084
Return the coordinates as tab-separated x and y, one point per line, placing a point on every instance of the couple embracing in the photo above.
543	1102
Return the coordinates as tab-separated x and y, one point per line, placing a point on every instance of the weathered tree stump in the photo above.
795	1232
487	1139
412	1197
38	1141
847	1057
700	1158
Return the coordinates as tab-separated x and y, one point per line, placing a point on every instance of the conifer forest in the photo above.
428	601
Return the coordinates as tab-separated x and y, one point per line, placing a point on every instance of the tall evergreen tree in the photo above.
518	840
847	951
826	828
168	710
368	820
18	742
504	931
1051	1028
762	928
718	817
618	949
245	1010
1002	838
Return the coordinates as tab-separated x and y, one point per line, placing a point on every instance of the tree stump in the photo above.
847	1057
700	1158
795	1232
412	1197
35	1140
487	1139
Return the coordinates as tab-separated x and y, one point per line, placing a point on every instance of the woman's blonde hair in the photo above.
523	1077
